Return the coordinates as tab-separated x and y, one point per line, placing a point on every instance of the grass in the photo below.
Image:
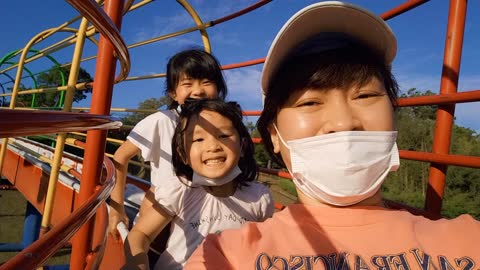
12	211
288	186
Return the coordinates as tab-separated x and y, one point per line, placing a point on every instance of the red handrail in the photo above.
102	22
27	122
41	250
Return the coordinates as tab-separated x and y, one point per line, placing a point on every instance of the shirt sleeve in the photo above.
145	136
171	195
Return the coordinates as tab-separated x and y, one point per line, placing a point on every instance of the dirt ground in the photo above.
279	195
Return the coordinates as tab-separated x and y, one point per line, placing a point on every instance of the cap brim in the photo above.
329	17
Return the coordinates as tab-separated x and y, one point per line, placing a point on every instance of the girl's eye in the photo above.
224	135
207	82
197	140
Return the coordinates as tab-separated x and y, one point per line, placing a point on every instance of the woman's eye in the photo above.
367	95
197	140
308	103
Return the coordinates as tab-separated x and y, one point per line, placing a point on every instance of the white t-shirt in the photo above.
197	213
153	136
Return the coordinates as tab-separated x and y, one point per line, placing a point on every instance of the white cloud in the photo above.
422	82
161	25
244	87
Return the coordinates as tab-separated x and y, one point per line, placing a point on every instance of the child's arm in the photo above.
150	223
117	209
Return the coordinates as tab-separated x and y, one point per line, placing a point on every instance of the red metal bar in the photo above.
252	113
244	64
241	12
280	173
41	250
445	159
16	123
462	97
445	113
402	8
95	145
91	10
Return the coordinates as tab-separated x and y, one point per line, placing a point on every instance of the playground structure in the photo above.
68	193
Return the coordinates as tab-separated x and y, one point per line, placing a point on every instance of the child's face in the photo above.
212	145
312	112
194	88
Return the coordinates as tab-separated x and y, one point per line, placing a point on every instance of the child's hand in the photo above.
117	214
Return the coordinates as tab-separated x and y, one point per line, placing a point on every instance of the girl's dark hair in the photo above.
233	112
196	64
352	66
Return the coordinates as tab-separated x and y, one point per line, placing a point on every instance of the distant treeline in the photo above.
409	183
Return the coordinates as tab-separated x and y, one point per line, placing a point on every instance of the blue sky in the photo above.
420	35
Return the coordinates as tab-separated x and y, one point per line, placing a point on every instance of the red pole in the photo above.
95	144
445	113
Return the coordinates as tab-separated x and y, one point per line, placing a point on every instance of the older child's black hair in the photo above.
352	66
196	64
233	112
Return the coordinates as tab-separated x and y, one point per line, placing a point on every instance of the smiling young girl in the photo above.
192	73
213	150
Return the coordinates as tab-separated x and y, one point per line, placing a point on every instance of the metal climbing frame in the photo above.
85	245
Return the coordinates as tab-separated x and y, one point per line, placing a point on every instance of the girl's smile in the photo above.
213	144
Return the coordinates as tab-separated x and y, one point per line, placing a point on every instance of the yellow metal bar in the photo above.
198	22
78	86
44	34
118	110
60	143
152	76
56	29
70	40
16	86
71	142
139	4
84	135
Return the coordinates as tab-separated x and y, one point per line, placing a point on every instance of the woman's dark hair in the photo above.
196	64
230	110
352	66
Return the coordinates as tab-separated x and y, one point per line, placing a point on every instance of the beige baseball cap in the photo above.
328	19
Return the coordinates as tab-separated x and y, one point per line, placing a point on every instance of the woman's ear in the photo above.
274	138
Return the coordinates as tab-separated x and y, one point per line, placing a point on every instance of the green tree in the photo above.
409	183
148	104
53	78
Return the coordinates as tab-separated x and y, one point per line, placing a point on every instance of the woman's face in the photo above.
312	112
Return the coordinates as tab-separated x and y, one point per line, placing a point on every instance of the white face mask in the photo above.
199	180
343	168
